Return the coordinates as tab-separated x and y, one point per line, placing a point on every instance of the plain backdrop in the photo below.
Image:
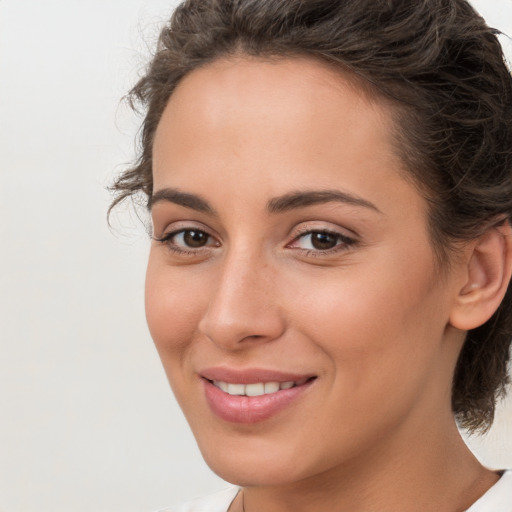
87	422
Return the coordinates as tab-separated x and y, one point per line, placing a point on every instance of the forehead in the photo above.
276	79
270	112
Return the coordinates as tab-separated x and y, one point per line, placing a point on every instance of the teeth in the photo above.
257	389
221	385
271	387
236	389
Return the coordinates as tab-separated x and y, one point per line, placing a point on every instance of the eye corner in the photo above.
188	241
321	241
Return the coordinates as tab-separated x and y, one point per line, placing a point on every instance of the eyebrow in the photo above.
284	203
175	196
301	199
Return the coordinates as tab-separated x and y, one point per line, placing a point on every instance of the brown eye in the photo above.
188	240
319	241
324	241
195	239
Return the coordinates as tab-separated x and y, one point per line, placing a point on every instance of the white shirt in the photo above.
497	499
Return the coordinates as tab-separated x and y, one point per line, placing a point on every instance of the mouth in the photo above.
252	396
257	388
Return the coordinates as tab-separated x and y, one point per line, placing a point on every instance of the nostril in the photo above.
254	337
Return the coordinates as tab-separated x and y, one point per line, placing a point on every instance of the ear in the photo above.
486	278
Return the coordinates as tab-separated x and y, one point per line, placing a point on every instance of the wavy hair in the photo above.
441	67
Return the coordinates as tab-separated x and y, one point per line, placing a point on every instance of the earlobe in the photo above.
487	275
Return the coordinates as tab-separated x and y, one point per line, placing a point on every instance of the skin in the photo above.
371	318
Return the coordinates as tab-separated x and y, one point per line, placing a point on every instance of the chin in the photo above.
253	473
260	464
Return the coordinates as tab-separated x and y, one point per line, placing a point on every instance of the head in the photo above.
436	73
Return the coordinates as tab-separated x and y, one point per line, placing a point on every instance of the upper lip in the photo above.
251	375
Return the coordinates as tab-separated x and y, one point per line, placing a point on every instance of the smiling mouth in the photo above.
253	395
257	388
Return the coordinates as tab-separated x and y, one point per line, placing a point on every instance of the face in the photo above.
291	288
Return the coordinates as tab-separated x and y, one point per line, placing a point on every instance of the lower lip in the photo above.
250	409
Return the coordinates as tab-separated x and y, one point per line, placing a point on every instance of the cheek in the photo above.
377	326
173	309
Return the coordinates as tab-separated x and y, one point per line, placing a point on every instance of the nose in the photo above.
243	307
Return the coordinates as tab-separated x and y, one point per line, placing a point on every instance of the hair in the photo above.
443	70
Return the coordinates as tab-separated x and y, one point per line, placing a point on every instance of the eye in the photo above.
321	241
188	240
191	238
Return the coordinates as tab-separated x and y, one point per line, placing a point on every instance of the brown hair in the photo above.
444	70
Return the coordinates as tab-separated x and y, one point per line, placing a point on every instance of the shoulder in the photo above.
218	502
498	498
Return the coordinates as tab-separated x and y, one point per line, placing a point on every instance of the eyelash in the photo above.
167	240
344	244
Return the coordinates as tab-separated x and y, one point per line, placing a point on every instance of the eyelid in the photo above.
346	241
171	234
181	225
175	228
325	227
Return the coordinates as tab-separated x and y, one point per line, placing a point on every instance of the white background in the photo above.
87	422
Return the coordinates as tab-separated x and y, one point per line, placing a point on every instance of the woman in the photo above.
330	192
